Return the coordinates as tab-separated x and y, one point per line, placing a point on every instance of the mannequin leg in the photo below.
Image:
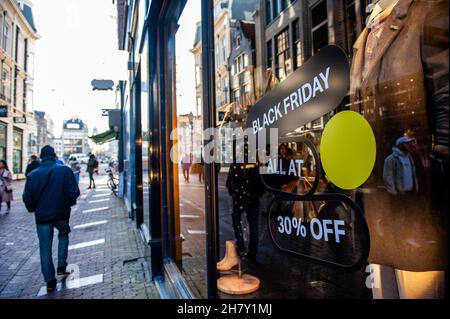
238	233
252	218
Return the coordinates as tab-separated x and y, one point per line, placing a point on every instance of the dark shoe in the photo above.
51	285
62	271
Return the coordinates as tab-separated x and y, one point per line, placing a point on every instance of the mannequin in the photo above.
401	51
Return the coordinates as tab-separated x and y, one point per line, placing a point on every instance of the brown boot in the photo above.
231	258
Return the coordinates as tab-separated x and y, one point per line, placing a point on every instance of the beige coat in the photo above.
406	88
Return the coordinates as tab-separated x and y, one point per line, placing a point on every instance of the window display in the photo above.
308	145
399	82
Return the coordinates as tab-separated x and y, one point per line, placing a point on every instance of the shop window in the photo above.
283	61
319	26
145	133
297	44
186	170
17	150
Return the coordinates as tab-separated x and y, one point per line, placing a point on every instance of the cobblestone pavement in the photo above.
104	251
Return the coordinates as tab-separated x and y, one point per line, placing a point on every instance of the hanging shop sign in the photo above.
313	90
327	227
20	119
3	110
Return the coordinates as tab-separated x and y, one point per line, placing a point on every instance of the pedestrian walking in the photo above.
91	168
33	163
6	191
76	168
50	192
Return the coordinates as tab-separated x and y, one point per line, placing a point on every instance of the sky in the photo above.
78	44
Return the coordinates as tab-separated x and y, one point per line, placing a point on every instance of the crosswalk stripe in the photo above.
75	283
102	195
99	201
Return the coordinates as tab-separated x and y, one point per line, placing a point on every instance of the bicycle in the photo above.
113	182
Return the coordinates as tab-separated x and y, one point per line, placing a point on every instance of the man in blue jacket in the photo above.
50	191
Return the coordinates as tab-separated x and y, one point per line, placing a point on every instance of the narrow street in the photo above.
104	253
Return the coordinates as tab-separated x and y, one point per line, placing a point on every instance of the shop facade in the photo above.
190	223
17	45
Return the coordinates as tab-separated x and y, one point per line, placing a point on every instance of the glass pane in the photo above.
188	170
145	133
299	232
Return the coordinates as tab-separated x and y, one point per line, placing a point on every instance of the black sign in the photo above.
3	110
20	119
312	91
102	85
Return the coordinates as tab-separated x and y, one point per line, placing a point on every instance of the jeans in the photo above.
45	235
91	179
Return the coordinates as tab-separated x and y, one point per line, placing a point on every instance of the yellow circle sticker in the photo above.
348	150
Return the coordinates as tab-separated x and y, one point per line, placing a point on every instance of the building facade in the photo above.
41	120
17	41
58	145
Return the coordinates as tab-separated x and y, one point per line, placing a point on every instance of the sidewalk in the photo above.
103	249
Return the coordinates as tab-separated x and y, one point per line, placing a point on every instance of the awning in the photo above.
104	137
